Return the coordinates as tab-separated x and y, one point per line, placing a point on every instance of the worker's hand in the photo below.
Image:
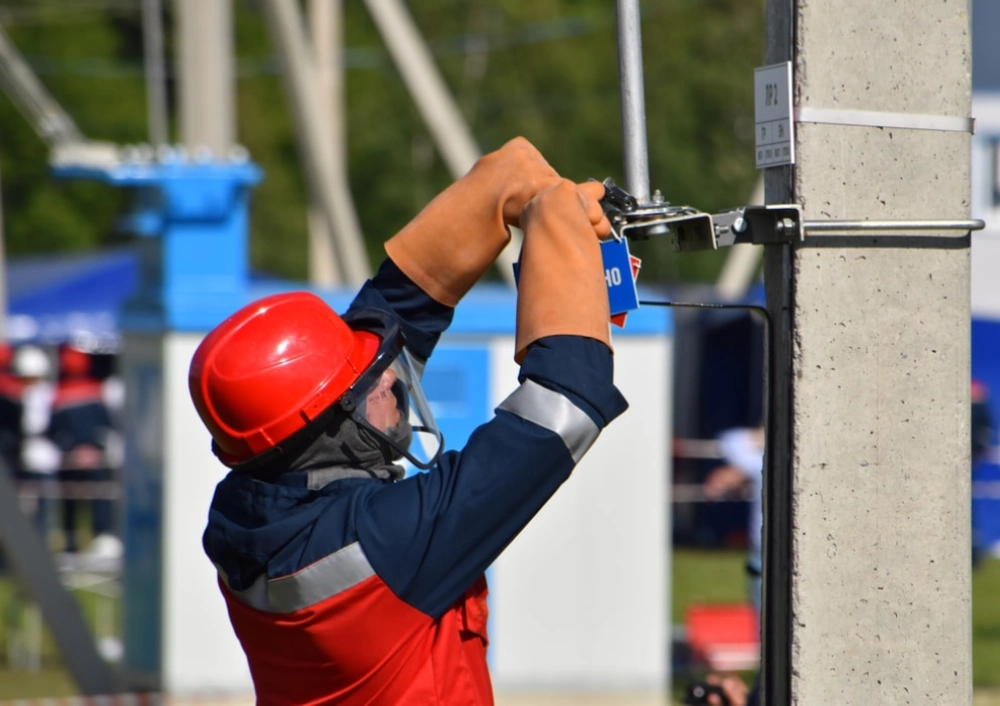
458	235
592	192
520	170
732	686
561	289
84	457
724	481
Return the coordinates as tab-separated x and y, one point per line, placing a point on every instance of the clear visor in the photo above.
395	408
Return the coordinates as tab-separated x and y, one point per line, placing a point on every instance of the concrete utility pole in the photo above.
205	39
326	22
867	567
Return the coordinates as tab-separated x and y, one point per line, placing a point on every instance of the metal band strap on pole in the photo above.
873	118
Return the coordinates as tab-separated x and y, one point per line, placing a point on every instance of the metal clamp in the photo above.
761	225
692	229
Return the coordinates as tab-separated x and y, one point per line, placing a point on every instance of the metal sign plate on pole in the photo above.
773	131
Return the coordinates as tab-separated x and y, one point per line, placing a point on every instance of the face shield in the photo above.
388	399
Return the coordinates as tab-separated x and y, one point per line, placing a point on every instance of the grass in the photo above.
986	624
706	576
51	679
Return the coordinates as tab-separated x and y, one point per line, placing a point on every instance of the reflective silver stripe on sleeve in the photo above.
553	411
308	586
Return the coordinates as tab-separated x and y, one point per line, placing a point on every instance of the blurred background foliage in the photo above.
545	69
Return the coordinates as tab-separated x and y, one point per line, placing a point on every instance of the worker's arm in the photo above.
422	319
439	255
430	536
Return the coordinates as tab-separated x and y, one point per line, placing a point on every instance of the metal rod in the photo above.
633	100
850	226
46	115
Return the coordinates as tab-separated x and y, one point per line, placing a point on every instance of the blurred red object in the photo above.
724	637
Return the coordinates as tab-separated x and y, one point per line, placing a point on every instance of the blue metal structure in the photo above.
192	221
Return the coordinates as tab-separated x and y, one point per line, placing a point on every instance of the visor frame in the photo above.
391	350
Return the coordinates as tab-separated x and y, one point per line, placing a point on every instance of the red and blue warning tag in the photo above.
619	276
621	269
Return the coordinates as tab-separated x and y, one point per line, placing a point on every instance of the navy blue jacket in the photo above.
430	536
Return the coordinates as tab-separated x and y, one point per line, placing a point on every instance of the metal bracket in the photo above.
761	225
692	229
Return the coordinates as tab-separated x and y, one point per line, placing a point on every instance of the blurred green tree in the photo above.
545	69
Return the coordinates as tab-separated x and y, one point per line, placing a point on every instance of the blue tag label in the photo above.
622	295
618	276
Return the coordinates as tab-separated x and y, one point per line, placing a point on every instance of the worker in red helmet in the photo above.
345	582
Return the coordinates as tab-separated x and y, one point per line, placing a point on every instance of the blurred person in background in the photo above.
11	415
39	458
11	410
981	424
720	690
89	446
981	431
741	475
346	582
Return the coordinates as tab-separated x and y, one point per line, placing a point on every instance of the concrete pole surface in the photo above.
876	380
325	21
206	87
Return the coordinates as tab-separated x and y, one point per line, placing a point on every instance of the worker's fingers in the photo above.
735	690
591	192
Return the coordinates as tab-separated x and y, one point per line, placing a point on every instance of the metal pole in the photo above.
962	226
50	121
633	99
777	566
156	89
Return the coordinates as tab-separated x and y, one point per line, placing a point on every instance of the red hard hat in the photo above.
271	368
73	363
